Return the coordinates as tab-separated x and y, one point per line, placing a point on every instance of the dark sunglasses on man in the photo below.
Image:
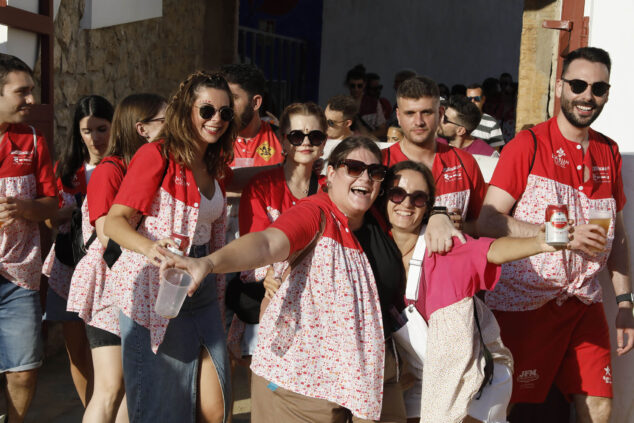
207	111
475	98
578	86
296	137
355	168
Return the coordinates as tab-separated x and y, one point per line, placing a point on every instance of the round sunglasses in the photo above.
397	195
355	168
578	86
296	137
207	111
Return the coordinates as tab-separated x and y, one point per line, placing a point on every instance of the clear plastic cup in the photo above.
602	218
172	292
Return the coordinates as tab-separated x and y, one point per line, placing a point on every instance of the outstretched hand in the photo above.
198	268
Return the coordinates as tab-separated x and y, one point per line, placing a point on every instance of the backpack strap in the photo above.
535	152
34	141
462	164
488	358
313	185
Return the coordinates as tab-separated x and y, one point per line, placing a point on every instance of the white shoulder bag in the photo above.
412	337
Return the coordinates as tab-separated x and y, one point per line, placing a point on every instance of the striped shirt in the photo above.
489	130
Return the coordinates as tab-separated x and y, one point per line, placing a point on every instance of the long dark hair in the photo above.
178	131
73	154
124	138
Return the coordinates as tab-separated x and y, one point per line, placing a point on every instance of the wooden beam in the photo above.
27	21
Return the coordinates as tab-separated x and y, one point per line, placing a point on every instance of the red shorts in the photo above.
568	345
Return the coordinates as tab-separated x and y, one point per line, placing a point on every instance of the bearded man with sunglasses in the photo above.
460	186
549	307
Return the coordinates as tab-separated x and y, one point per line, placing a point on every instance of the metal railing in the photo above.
283	61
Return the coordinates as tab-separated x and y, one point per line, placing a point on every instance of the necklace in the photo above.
411	249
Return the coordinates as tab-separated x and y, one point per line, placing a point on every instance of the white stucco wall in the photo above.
451	41
611	29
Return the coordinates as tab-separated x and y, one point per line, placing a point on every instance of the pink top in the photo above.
322	335
557	177
25	173
90	296
169	208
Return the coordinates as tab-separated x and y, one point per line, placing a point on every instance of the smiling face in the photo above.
419	118
17	97
95	132
583	108
353	196
405	216
305	153
209	130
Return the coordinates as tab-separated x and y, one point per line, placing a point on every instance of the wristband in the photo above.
439	210
625	297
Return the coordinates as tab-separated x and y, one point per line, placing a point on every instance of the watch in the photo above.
439	210
625	297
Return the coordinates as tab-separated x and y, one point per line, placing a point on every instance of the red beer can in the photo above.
182	241
557	224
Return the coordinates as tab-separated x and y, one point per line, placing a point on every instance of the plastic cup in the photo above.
602	218
172	292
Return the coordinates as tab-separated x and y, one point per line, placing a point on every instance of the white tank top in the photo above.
209	211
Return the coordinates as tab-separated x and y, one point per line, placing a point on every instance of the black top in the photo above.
387	267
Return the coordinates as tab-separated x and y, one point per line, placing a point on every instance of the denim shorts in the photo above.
20	328
163	386
56	308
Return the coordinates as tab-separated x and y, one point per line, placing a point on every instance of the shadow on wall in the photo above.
537	4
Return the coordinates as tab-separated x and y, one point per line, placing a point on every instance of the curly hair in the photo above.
179	132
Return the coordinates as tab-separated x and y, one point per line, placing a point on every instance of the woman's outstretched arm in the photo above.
506	249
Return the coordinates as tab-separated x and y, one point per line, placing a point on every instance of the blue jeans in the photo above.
162	387
20	328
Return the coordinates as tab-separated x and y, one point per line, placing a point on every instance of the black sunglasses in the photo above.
207	111
397	195
355	168
578	86
296	137
475	98
332	123
445	120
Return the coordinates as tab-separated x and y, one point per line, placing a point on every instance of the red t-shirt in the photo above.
103	186
459	182
262	150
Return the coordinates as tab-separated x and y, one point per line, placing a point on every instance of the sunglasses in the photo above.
475	98
160	120
397	195
445	120
355	168
332	123
296	137
578	86
207	111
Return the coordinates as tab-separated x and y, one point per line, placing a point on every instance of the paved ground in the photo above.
57	402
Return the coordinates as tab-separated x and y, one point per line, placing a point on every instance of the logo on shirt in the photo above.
601	173
265	151
560	158
607	377
452	173
22	158
180	180
528	376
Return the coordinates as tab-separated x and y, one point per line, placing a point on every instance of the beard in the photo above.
246	116
568	109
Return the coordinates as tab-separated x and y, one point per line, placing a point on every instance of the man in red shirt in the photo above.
549	306
27	196
256	144
459	183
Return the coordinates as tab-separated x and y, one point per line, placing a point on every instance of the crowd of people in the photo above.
370	271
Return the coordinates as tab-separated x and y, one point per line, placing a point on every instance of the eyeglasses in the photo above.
578	86
397	195
445	120
296	137
161	120
475	98
355	168
207	111
332	123
357	85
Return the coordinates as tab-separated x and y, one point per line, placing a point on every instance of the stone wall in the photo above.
153	55
538	61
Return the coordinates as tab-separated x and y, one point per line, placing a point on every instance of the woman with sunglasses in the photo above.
302	129
321	348
448	390
137	119
171	192
77	160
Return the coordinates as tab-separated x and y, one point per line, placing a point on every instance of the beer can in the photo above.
182	241
557	224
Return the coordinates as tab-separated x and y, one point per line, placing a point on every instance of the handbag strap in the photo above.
416	267
488	358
